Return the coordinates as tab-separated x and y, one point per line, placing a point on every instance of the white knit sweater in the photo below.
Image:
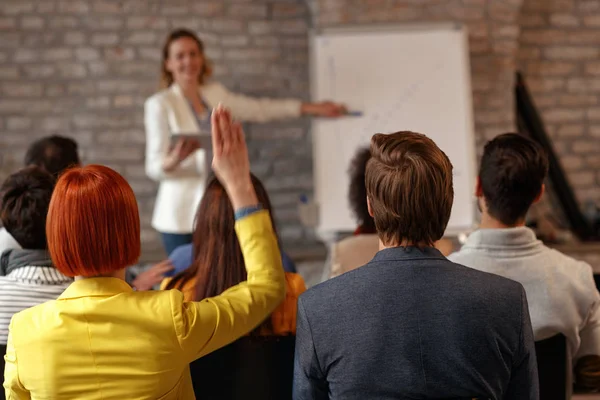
561	292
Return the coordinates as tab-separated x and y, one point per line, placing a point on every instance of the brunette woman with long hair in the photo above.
215	244
183	107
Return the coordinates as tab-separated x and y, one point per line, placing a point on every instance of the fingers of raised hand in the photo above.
217	139
238	135
226	130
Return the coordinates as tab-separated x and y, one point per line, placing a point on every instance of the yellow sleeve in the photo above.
164	283
212	323
13	388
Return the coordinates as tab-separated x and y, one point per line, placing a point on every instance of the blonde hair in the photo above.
166	79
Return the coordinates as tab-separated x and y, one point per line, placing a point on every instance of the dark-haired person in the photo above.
219	265
183	106
410	323
54	154
358	249
101	339
28	274
561	292
207	278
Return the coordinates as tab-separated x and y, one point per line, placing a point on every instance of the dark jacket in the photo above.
412	325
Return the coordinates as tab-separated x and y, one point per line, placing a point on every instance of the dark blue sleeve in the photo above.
181	258
288	264
309	381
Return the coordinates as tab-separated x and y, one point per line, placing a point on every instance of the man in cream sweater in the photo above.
560	291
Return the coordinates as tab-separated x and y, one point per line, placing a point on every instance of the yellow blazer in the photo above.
102	340
283	319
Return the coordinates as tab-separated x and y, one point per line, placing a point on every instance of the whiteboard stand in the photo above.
401	77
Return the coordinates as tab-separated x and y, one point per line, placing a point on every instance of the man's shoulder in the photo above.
333	287
484	279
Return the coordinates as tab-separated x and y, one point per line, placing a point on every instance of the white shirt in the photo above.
7	241
561	292
168	111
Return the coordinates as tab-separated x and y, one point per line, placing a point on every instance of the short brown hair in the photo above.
93	224
409	185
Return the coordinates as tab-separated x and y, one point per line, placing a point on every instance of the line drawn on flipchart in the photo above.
381	119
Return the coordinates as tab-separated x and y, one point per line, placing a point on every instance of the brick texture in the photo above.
560	57
84	68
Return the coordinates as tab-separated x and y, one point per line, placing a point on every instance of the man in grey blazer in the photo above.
410	324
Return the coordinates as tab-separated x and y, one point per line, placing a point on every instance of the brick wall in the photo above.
559	53
84	68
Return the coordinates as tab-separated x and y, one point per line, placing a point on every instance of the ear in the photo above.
369	206
540	194
478	189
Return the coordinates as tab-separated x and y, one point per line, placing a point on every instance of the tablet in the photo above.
176	136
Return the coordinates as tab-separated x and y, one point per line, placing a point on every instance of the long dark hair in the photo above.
218	263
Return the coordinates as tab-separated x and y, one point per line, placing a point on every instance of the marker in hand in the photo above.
354	113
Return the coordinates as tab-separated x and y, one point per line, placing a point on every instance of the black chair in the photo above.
553	367
253	367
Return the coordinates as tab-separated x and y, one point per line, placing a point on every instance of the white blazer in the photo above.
168	111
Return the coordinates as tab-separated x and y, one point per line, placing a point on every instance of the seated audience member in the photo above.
224	374
410	323
28	275
182	257
101	338
561	292
54	154
214	240
354	251
358	249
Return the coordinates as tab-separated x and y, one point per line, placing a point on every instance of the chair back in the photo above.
553	367
253	367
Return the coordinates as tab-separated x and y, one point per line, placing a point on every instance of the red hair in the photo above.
93	223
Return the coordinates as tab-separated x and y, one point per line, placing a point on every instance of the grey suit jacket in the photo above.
412	325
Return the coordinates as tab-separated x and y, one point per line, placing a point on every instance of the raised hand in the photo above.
152	276
230	158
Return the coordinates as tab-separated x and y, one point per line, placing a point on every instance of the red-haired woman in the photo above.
101	339
183	106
